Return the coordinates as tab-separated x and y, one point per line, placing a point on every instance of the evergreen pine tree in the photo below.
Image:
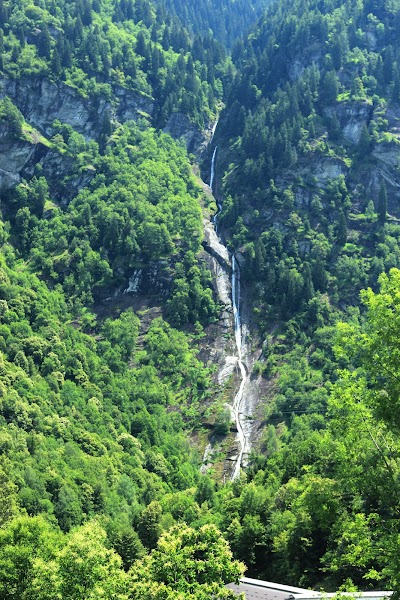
382	204
364	143
56	62
329	87
44	44
78	31
341	232
87	13
141	45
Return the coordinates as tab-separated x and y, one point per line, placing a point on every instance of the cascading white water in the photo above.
213	132
238	337
235	287
212	175
236	305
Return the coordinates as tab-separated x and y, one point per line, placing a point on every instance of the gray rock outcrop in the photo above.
42	101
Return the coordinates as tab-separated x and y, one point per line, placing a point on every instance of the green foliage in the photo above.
187	563
85	568
227	20
101	495
37	562
307	120
140	211
24	541
68	417
295	93
94	46
11	117
67	424
376	347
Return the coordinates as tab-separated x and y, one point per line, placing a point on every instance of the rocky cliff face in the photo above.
351	117
363	178
15	156
42	102
181	128
19	159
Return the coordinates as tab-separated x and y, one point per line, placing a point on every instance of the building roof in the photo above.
256	589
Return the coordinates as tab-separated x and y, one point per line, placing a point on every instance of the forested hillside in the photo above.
308	152
313	129
227	20
107	301
97	402
97	46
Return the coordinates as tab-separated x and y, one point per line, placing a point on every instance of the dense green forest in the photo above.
92	425
308	159
95	46
227	21
102	402
96	408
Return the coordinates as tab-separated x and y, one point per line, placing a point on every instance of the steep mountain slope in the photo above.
94	415
98	402
313	134
227	20
308	171
104	48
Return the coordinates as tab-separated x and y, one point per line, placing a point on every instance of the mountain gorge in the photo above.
117	353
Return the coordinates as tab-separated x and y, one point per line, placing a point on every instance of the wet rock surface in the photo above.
233	365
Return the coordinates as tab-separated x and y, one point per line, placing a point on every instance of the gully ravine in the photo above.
227	278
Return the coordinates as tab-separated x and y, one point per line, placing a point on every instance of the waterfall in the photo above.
238	337
213	132
236	305
212	175
235	288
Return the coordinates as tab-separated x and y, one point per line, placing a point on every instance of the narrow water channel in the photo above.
235	295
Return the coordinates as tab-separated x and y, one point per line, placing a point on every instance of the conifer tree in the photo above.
341	233
56	62
382	204
308	288
44	45
329	87
364	143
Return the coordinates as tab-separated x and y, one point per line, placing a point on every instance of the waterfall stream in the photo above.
212	176
235	296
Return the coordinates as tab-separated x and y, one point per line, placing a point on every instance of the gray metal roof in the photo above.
255	589
253	592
